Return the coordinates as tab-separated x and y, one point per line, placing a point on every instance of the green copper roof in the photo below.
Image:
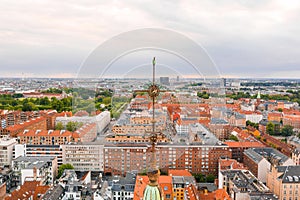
152	193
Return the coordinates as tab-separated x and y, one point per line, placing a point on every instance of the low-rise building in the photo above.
122	187
25	168
243	185
197	156
31	189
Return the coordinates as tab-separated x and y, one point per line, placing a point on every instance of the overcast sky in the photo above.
245	38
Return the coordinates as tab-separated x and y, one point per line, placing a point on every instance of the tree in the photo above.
71	126
210	178
90	108
200	178
106	100
287	130
45	101
59	126
29	106
233	137
270	128
62	168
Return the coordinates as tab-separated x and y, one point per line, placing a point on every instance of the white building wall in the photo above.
288	162
255	118
26	173
20	150
263	167
6	151
84	157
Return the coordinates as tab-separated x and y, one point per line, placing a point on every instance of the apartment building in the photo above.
296	156
25	168
238	148
101	120
84	156
38	151
86	133
39	123
284	181
259	160
6	151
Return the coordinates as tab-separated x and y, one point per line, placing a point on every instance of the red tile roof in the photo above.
230	164
28	189
179	172
192	192
244	144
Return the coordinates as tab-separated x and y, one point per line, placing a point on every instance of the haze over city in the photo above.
245	39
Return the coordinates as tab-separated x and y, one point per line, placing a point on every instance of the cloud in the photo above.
53	37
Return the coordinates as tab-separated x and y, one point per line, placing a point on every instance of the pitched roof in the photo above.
28	189
244	144
178	172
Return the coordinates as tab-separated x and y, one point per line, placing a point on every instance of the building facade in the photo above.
44	168
284	181
84	156
6	151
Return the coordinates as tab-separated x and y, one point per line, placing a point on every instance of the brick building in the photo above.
259	160
39	123
238	148
86	133
120	158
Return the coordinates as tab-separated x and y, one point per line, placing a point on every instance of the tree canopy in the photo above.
62	168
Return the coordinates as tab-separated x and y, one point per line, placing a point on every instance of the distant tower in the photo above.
164	80
177	79
258	95
223	83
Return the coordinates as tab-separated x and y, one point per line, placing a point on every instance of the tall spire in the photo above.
152	191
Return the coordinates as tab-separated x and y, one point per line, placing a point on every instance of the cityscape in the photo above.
185	100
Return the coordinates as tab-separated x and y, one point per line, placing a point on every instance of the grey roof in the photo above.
291	174
204	134
297	151
183	180
272	155
218	121
54	193
210	186
245	181
253	155
36	162
73	186
262	196
123	183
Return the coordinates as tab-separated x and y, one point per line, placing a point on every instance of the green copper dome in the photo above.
152	193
